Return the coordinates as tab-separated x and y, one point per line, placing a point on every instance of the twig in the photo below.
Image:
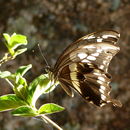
9	83
51	122
6	58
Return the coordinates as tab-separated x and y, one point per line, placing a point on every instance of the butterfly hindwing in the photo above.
92	84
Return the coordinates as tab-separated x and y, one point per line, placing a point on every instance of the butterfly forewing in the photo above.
83	66
110	36
103	36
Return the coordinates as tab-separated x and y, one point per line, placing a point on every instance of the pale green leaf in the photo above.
19	51
17	40
25	111
10	101
23	69
50	108
39	86
5	74
7	37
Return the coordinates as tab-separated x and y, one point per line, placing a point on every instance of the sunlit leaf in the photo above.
7	37
23	69
21	87
17	40
25	111
50	108
5	74
39	86
13	42
19	51
10	101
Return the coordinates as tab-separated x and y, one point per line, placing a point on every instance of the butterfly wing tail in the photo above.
116	103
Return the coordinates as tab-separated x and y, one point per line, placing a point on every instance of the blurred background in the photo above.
54	24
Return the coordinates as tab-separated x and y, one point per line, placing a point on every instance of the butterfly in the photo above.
83	67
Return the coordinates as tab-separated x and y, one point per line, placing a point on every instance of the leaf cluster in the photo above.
23	101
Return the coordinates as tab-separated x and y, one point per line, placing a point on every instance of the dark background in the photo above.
54	24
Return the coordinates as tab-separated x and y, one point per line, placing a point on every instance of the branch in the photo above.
51	122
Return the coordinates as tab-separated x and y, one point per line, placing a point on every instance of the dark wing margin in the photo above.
102	36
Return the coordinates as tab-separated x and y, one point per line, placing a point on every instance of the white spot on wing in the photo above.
99	81
91	58
101	78
102	87
106	36
96	73
99	50
101	91
101	66
103	104
95	54
85	61
109	47
108	101
82	55
91	102
91	37
89	46
99	40
103	97
105	62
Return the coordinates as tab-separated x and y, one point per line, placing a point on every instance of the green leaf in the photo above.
17	40
20	87
14	42
10	101
50	108
19	51
23	69
25	111
39	86
50	87
7	37
5	74
21	80
20	83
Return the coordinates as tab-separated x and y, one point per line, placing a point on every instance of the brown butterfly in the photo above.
83	67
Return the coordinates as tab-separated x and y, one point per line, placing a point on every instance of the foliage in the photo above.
23	101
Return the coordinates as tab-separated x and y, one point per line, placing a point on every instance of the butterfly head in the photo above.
50	73
47	69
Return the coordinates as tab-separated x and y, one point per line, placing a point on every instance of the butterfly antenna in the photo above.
42	55
47	65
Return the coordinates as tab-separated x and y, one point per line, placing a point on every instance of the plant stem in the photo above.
6	58
51	122
9	83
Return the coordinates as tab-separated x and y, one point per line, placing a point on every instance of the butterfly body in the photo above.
83	67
